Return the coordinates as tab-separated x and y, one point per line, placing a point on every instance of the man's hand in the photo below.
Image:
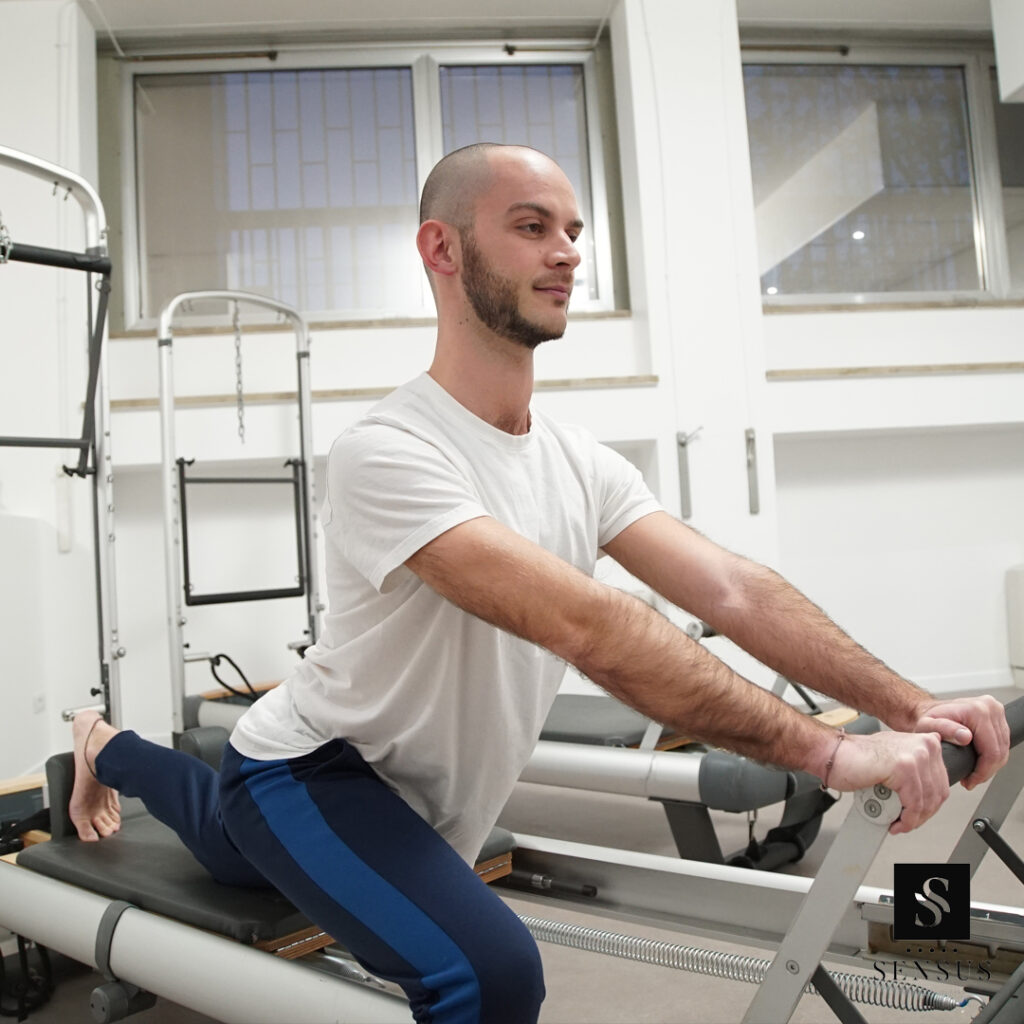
910	764
963	720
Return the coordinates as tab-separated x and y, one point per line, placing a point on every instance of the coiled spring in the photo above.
861	988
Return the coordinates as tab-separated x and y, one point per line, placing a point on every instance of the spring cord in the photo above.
860	988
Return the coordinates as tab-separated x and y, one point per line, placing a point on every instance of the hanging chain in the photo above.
240	398
5	241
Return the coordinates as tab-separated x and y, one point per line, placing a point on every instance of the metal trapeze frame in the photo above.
93	444
173	492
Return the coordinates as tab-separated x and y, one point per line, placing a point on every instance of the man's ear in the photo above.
438	246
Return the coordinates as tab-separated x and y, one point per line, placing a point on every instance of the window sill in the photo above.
270	327
370	393
895	305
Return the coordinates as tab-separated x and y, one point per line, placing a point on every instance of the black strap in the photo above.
105	936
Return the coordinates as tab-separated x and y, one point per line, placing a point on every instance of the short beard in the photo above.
494	299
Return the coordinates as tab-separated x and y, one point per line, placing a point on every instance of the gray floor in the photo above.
588	988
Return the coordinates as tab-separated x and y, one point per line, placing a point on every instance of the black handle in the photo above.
960	761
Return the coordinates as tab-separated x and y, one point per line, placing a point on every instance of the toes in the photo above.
85	831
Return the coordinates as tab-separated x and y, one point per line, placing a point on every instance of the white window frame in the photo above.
976	62
424	63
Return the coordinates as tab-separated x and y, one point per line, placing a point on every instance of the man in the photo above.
462	531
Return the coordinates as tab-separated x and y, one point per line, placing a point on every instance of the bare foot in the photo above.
94	808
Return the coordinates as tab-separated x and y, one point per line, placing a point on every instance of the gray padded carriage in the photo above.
146	864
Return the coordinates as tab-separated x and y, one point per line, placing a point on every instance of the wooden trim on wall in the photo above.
918	370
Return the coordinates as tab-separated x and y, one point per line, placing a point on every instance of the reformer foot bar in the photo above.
92	445
831	917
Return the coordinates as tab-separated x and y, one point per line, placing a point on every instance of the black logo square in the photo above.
931	901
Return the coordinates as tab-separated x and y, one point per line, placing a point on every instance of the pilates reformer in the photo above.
92	444
137	907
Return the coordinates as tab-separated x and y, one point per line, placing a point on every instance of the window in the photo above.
539	106
301	181
301	185
1009	120
862	179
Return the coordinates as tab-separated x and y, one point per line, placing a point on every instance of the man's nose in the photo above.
565	253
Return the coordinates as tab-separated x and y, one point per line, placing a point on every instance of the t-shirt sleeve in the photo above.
388	494
623	495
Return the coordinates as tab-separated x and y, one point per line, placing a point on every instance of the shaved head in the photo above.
515	279
452	187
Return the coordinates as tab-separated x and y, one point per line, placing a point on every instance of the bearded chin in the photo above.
495	302
505	320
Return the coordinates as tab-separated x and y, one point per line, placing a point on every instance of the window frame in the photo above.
424	62
975	60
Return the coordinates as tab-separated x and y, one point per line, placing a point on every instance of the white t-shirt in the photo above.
444	706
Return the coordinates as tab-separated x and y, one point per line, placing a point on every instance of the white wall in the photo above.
49	639
904	537
1008	29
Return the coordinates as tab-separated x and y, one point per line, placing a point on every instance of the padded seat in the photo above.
146	865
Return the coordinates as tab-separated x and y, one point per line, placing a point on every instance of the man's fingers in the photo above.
920	781
948	730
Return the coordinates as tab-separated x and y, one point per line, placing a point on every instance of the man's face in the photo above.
520	256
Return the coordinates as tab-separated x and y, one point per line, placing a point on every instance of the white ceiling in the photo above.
278	18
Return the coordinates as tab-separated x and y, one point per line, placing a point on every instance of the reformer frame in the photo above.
173	487
92	445
832	917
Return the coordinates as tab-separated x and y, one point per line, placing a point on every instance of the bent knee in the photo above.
512	982
503	984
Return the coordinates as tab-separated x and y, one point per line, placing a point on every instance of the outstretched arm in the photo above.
640	657
774	622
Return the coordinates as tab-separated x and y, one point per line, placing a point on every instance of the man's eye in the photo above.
533	228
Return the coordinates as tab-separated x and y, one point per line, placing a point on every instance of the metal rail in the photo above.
172	496
95	439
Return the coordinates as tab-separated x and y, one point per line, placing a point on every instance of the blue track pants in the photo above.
355	859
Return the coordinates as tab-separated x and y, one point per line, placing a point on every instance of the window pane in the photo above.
1010	139
862	178
300	185
538	105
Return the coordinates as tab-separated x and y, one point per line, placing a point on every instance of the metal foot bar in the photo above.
841	873
834	887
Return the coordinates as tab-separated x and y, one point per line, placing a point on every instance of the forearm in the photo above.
640	658
619	642
774	622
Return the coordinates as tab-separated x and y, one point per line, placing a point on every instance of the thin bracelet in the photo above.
832	760
85	748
